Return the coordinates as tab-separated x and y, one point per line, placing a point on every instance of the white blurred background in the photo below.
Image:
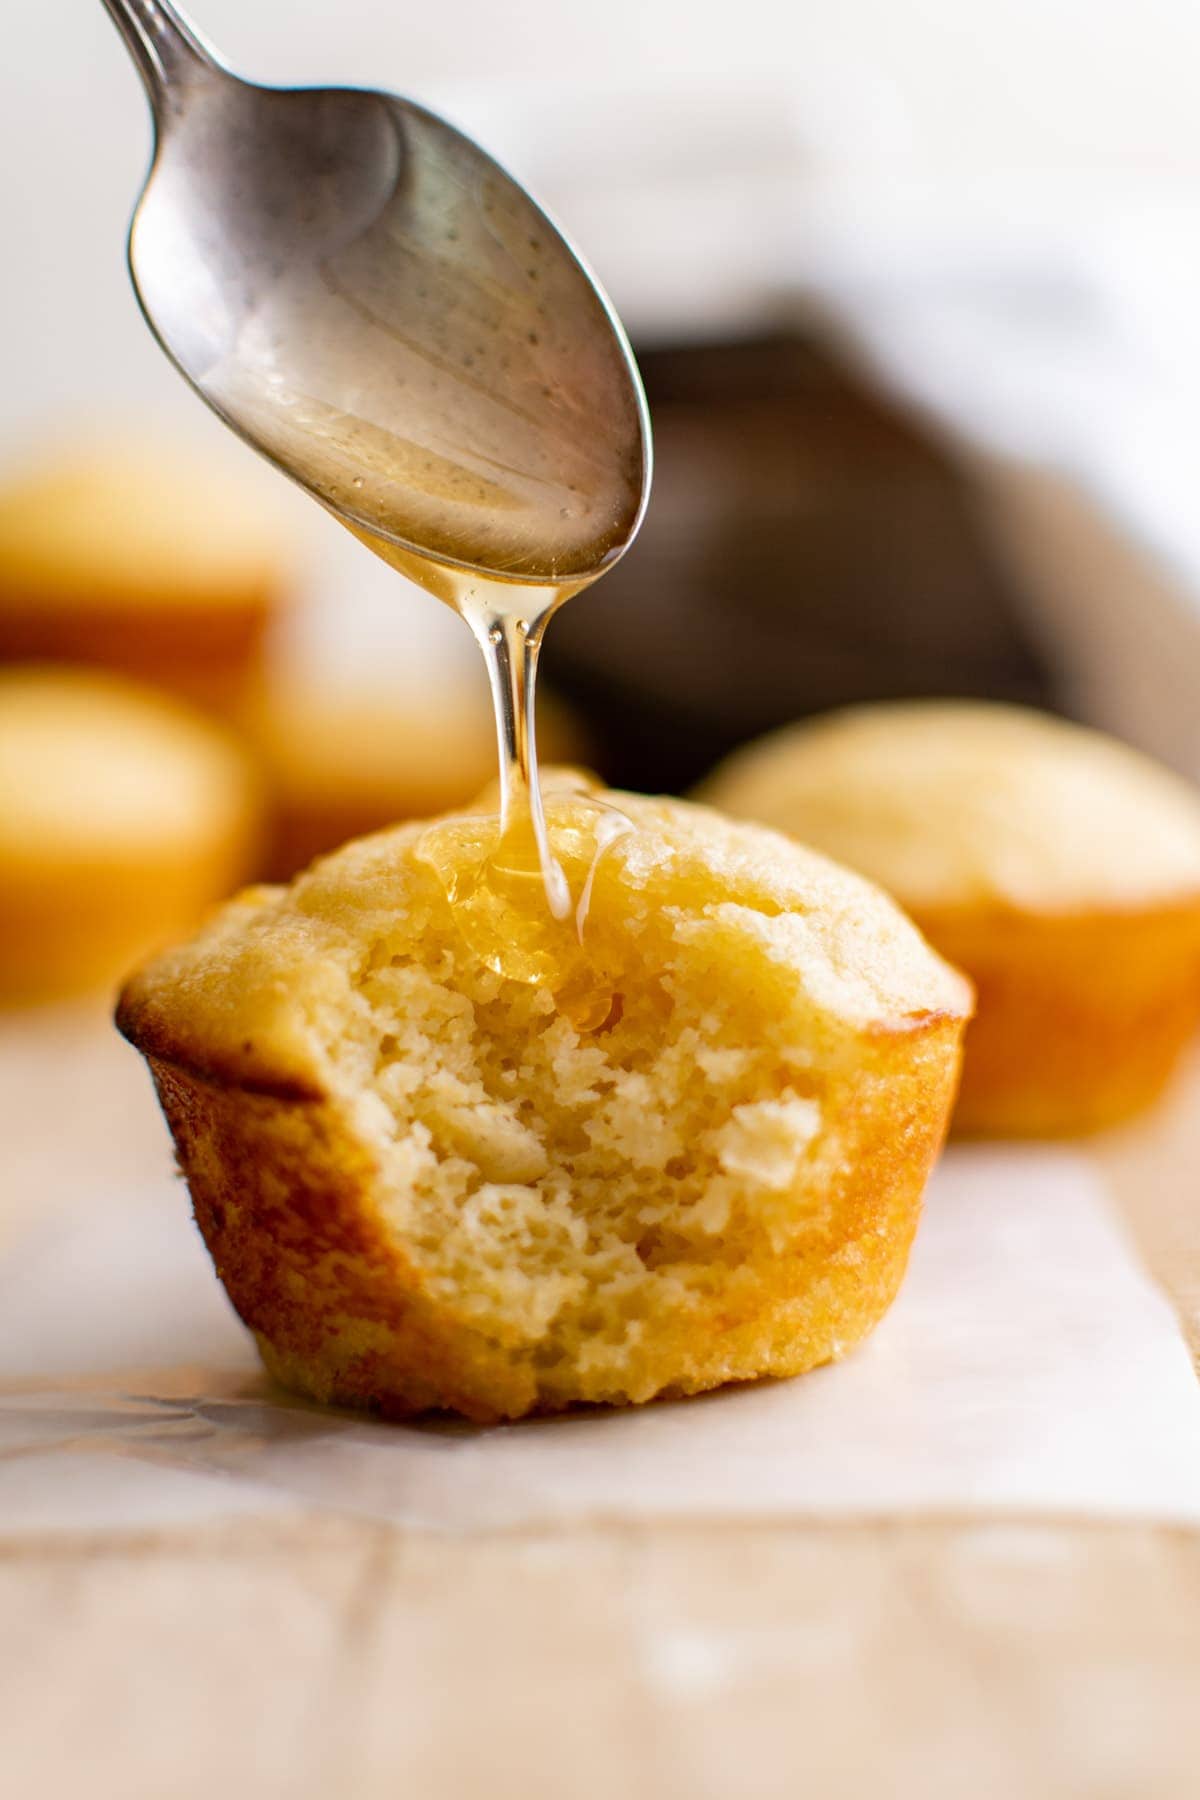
927	116
998	206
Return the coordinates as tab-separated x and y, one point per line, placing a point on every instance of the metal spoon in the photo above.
374	304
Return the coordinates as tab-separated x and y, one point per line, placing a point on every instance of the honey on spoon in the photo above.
376	306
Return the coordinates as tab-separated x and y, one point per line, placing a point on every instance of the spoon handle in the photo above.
163	45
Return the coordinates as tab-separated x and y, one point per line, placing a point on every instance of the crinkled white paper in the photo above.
1028	1366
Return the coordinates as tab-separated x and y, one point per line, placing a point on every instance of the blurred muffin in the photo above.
123	815
1057	867
139	560
342	759
424	1187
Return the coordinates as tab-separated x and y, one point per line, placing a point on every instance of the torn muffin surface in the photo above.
423	1185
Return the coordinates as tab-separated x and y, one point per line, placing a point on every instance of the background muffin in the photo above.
123	815
423	1187
1057	867
140	559
343	757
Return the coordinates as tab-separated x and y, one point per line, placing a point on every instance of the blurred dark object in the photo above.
807	546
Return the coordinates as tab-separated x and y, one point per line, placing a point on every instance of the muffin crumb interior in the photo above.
563	1189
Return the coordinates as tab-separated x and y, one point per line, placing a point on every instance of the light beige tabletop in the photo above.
323	1657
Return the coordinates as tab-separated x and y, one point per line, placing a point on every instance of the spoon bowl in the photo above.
373	303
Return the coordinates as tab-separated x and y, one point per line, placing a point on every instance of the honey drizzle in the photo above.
489	872
510	644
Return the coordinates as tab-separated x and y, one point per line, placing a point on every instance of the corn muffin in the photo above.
123	816
140	560
424	1187
1057	867
340	759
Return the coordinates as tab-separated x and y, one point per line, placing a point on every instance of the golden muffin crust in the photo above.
1059	868
423	1187
123	816
139	558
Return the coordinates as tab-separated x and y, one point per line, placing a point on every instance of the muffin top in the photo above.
123	524
92	765
953	804
275	975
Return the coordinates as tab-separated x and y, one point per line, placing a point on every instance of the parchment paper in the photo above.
1028	1366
